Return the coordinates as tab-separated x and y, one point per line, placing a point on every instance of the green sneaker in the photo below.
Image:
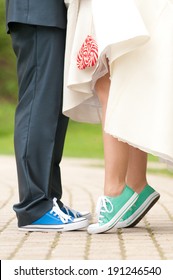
147	198
111	209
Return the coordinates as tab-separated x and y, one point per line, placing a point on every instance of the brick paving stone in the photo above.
82	179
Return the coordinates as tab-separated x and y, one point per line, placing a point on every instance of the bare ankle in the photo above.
137	186
113	190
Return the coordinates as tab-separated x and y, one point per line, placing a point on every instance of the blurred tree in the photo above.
8	80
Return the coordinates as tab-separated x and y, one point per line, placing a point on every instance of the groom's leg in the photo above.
40	59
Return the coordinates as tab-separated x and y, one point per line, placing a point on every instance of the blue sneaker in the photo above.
56	220
75	214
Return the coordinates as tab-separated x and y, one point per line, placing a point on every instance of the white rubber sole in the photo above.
77	224
86	215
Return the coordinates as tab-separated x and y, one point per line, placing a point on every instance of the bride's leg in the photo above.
136	178
118	197
137	169
115	152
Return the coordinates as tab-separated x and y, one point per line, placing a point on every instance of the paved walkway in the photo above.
151	240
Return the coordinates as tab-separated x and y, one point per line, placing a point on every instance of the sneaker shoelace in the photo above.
102	208
74	212
56	211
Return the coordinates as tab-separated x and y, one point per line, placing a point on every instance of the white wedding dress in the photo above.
137	38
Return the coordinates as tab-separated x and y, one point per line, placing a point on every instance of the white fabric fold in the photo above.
137	37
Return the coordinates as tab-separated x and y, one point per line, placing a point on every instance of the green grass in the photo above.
163	172
82	140
6	127
6	145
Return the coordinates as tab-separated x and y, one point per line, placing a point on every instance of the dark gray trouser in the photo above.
40	127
